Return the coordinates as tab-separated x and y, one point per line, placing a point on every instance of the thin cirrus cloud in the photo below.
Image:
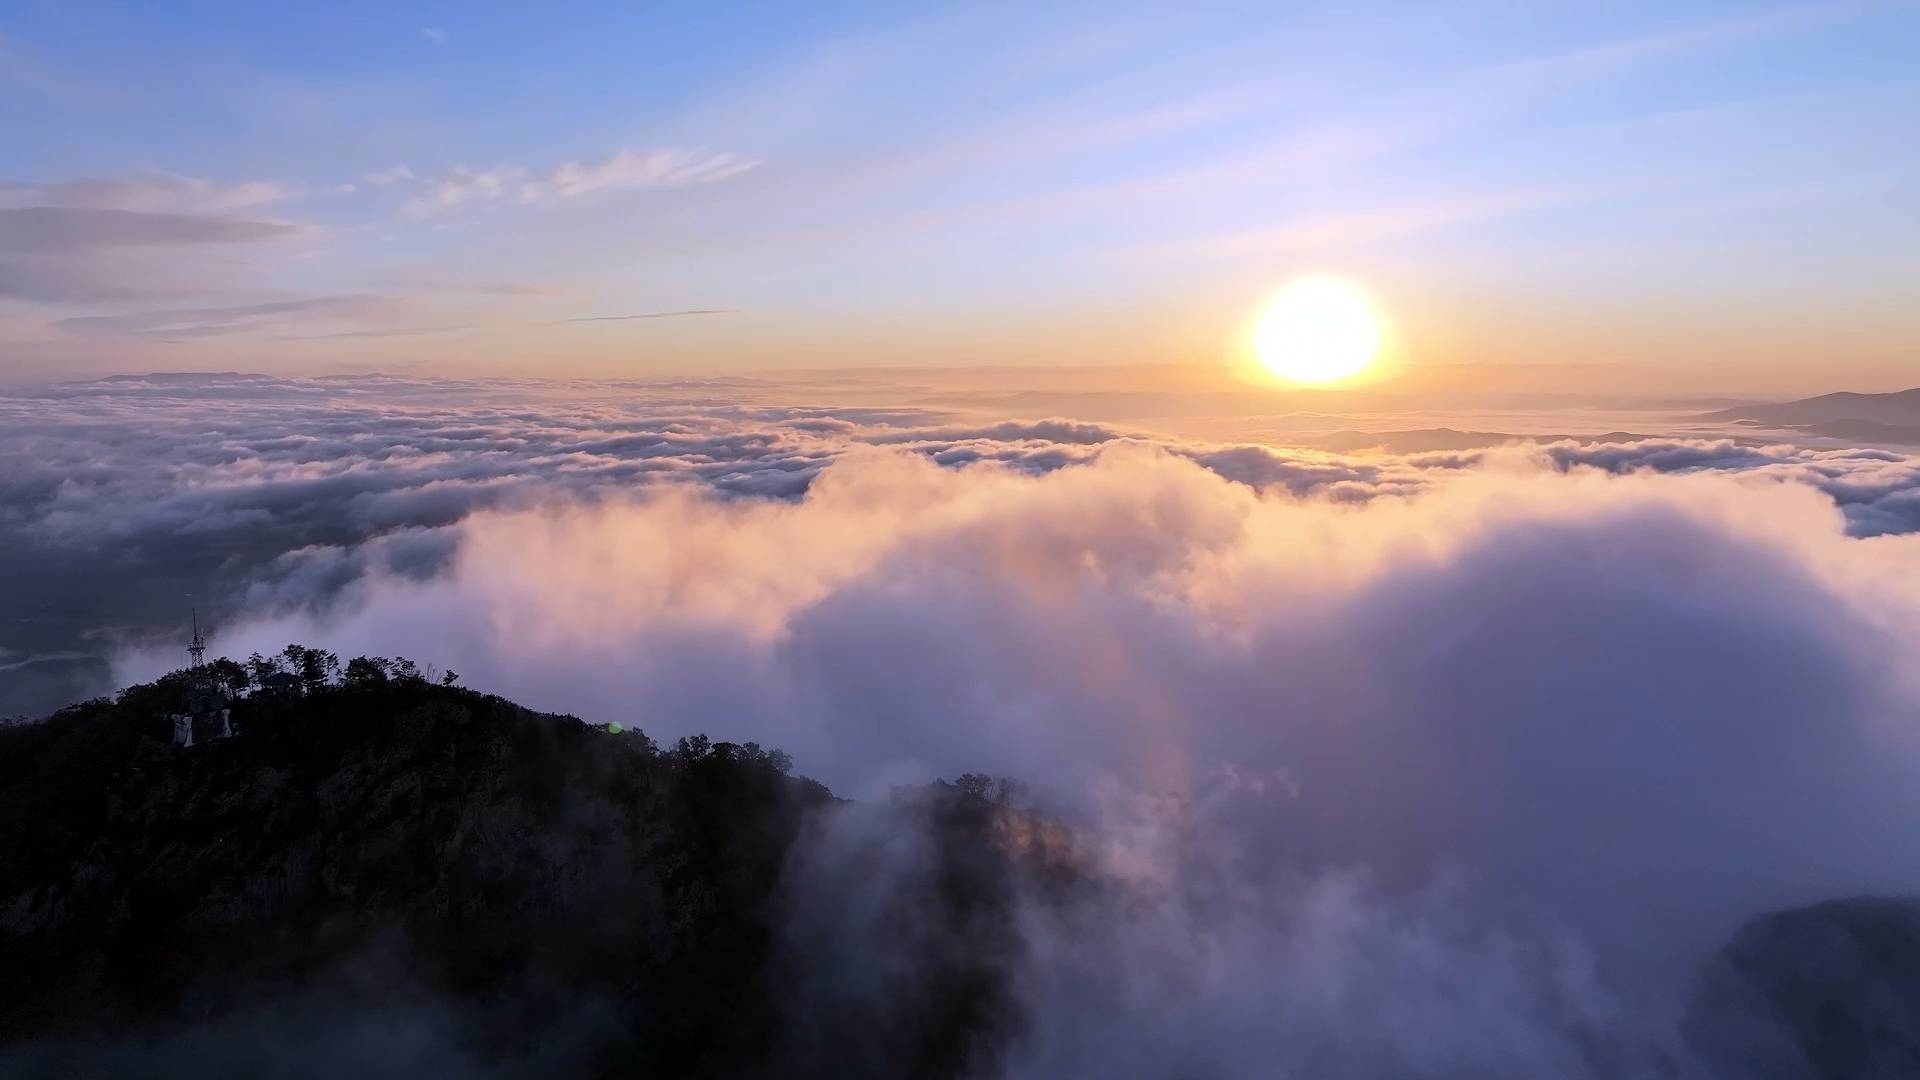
58	229
461	185
395	332
83	279
626	170
296	319
101	239
633	169
1383	224
398	174
651	315
419	331
217	321
150	192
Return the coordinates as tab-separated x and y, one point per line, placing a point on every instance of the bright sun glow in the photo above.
1318	330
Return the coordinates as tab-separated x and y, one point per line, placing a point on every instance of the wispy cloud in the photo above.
1360	229
216	321
53	229
404	331
625	170
526	288
77	241
398	174
461	185
293	320
653	315
152	192
42	658
629	169
433	35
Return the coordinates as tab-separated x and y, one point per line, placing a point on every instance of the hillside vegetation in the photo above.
411	874
382	874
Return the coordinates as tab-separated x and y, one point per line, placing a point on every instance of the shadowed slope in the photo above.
418	877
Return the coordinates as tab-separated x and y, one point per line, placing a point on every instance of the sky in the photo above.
865	381
1677	196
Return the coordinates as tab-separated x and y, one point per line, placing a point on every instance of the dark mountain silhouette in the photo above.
1867	431
1429	439
379	876
388	877
1831	990
1900	409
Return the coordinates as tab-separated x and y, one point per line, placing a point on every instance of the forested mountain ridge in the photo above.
382	874
533	893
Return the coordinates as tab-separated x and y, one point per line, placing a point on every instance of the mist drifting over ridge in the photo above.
136	496
1433	763
1434	657
1486	747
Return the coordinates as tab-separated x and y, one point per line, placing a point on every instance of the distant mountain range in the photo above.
1866	431
1900	410
1424	440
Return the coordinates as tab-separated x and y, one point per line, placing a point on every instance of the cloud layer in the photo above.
128	499
1429	764
1442	768
1650	665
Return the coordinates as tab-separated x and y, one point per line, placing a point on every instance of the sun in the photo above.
1317	330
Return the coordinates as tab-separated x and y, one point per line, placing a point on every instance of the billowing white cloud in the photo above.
1459	769
1426	764
1142	615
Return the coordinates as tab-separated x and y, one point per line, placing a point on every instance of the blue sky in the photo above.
1726	191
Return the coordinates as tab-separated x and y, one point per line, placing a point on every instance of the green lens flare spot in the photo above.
615	729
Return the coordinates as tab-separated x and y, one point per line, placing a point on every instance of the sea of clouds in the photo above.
1438	764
